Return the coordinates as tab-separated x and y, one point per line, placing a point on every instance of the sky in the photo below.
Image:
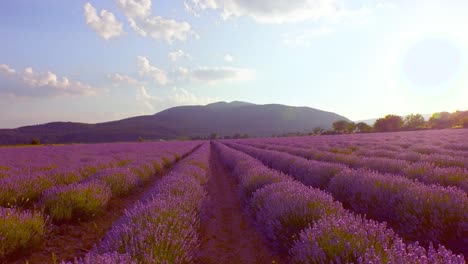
94	61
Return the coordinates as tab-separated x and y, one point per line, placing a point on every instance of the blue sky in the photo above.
93	61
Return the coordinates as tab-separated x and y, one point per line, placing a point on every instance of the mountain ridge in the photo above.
223	118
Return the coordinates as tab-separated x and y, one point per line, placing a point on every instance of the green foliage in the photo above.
35	141
339	126
76	201
20	231
344	126
440	120
413	121
464	122
23	190
318	131
389	123
363	127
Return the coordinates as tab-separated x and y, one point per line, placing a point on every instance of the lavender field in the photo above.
362	198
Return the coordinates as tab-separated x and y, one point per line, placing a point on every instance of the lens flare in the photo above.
432	66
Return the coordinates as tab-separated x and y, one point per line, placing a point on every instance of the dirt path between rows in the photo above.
226	235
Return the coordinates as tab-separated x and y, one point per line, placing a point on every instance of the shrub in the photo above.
353	239
20	230
76	201
35	141
120	180
110	258
23	189
283	209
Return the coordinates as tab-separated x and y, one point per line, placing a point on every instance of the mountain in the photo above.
225	119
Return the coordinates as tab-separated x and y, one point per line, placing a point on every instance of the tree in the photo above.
213	136
363	127
340	126
389	123
35	141
350	127
318	131
413	121
464	122
440	120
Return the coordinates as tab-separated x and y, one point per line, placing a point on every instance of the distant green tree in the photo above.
441	120
350	127
213	136
413	121
35	141
318	131
340	126
389	123
363	127
464	122
141	139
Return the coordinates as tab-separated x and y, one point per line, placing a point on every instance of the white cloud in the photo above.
30	83
181	96
229	58
5	69
175	97
123	79
105	24
146	69
177	55
144	98
277	11
213	75
160	28
305	37
135	8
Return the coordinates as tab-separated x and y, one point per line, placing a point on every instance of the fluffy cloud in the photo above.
30	83
160	28
305	37
105	24
277	11
5	69
146	69
229	58
177	55
123	79
135	8
145	98
181	96
175	97
213	75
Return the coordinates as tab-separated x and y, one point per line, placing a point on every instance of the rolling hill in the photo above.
225	119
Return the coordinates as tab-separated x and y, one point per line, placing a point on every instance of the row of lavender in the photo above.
31	171
81	199
426	172
430	146
306	224
418	212
163	227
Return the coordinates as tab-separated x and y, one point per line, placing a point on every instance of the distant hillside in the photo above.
225	119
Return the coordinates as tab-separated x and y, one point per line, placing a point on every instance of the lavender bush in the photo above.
20	230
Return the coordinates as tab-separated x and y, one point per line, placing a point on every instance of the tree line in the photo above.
393	123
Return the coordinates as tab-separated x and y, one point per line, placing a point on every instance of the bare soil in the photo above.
226	234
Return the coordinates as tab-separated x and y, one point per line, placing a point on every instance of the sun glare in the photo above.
431	65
